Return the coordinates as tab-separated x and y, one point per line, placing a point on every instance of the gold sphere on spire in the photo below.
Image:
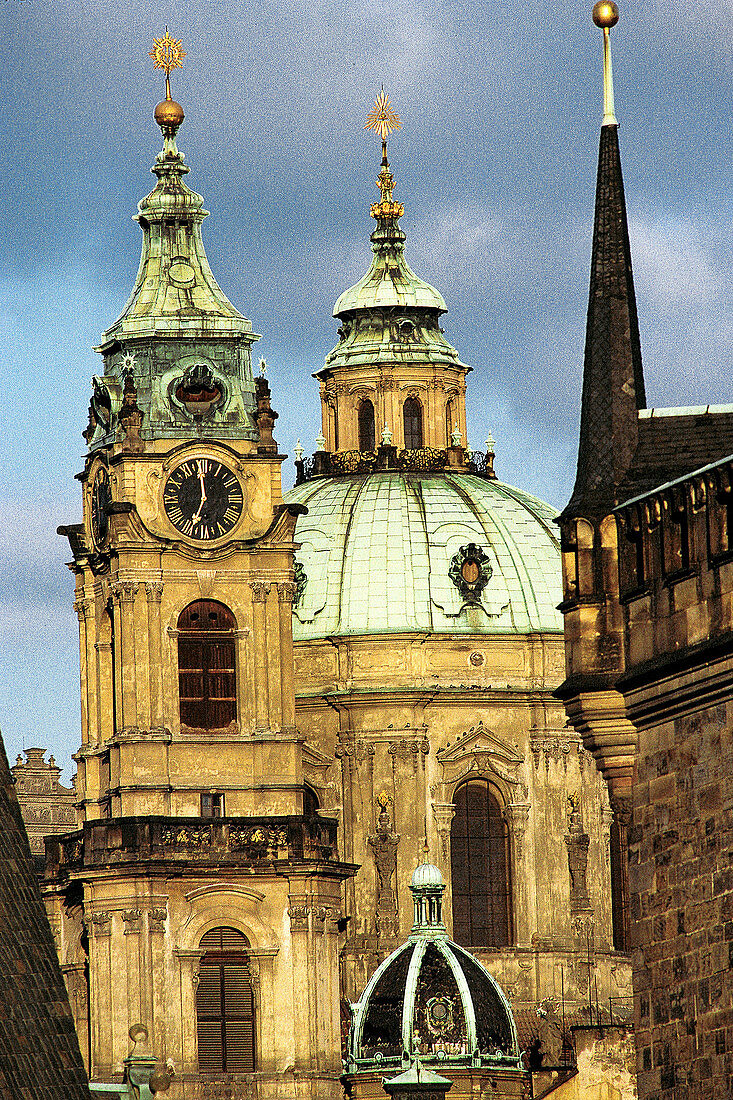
169	114
605	14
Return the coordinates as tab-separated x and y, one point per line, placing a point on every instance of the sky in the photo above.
501	108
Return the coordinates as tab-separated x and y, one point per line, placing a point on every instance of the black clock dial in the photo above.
203	499
100	500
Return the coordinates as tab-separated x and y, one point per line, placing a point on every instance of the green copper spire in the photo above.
179	352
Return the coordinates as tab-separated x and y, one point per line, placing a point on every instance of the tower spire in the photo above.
613	379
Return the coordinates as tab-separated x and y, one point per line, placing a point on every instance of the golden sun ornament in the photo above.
382	119
167	53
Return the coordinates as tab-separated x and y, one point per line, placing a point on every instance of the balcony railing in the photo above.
235	840
422	460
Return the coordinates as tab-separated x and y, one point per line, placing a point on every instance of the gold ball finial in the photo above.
605	14
169	114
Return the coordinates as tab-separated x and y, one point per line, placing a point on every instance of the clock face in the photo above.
203	499
100	499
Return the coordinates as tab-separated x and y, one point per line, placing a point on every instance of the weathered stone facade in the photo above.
648	582
47	806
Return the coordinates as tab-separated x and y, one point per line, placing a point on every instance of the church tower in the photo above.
195	886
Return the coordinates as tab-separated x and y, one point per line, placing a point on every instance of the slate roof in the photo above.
613	380
39	1050
673	443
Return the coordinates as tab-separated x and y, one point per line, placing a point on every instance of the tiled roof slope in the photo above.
39	1050
613	381
671	446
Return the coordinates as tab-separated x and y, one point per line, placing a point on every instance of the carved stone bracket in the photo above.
517	816
260	590
287	591
131	917
124	591
443	814
101	923
557	748
304	915
156	920
154	591
82	608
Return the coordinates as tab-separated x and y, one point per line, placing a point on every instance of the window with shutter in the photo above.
207	679
225	1016
480	880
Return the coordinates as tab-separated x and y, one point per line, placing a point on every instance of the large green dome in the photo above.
382	553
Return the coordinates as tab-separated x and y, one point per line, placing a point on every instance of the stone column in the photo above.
516	815
100	993
260	590
154	593
261	968
124	593
274	662
286	595
135	1002
87	671
155	971
106	687
185	1055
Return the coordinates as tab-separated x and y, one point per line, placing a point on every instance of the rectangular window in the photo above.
212	805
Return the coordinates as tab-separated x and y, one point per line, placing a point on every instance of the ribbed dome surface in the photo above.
434	999
390	283
376	553
427	874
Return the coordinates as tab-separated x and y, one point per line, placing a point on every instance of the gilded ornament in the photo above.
605	14
382	119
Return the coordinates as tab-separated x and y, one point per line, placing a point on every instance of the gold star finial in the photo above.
167	54
382	119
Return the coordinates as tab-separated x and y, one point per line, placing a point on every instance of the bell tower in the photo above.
195	885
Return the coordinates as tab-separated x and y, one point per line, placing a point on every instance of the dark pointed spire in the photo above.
613	379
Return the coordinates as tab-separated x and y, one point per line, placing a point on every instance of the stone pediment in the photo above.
482	752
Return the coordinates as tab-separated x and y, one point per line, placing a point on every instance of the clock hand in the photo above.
197	517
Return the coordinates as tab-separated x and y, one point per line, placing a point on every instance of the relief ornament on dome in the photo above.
470	571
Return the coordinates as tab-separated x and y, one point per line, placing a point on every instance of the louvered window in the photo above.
412	415
480	868
206	665
225	1004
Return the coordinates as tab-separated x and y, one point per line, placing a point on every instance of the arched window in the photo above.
206	665
310	801
450	421
225	1020
480	868
366	425
412	415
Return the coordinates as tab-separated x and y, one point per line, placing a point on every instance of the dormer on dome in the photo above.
393	369
178	328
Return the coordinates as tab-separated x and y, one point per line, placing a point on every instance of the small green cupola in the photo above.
179	343
433	1000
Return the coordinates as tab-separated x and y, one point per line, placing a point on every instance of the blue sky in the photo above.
495	165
